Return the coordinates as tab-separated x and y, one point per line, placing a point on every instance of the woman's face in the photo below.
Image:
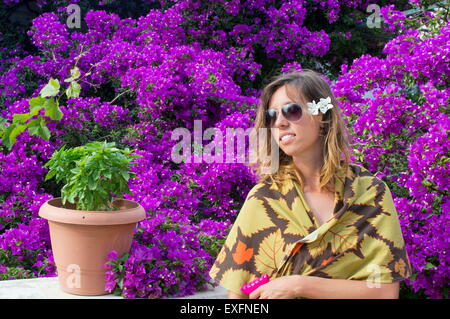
305	131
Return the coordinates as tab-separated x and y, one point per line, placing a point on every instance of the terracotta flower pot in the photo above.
81	241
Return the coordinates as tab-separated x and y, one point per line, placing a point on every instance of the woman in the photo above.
319	226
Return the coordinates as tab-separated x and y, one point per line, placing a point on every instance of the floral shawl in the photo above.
275	233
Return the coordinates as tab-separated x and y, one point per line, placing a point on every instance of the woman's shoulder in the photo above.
365	178
259	189
361	171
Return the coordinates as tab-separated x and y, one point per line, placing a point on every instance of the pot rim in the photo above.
53	211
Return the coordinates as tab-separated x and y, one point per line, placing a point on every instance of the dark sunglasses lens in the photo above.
292	112
271	117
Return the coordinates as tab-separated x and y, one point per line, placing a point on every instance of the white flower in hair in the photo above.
313	107
324	105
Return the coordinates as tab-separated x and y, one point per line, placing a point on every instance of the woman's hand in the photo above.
285	287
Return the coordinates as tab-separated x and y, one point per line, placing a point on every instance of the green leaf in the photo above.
40	130
50	175
54	83
125	175
16	131
75	170
92	184
73	90
429	265
35	122
75	74
36	104
52	110
43	132
71	197
23	117
96	174
35	110
6	134
36	101
50	89
123	258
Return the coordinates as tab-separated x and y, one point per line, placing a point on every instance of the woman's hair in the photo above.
308	85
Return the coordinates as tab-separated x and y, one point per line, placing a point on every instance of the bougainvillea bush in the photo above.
144	74
402	131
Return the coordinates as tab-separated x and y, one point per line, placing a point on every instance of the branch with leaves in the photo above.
48	99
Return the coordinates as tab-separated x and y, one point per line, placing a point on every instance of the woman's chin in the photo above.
295	152
289	150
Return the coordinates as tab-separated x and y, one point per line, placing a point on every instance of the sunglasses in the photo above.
291	112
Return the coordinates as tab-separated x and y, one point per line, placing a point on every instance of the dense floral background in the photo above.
149	67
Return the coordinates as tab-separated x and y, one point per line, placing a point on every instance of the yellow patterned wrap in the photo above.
275	233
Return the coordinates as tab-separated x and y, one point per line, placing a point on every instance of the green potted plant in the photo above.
91	218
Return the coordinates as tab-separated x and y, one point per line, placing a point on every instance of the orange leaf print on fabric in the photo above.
242	253
326	261
296	249
400	267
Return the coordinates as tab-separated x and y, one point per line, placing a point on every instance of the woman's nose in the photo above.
281	121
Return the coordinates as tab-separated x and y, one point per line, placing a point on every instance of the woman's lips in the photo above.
286	139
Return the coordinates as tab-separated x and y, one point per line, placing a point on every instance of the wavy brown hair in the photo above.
300	86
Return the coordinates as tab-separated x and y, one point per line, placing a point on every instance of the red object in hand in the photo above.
252	285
